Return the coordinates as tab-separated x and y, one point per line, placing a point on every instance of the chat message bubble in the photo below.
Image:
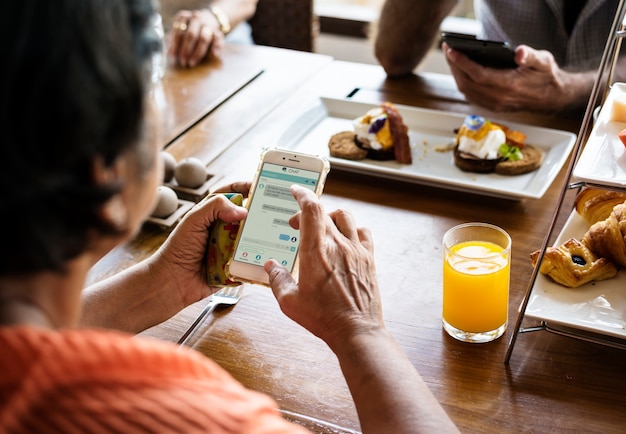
281	222
278	192
255	243
279	209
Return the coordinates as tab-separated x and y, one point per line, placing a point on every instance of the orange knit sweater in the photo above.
89	381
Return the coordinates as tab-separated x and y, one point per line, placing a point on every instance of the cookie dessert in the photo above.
483	146
380	134
343	145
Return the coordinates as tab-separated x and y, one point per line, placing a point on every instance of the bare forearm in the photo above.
406	31
129	301
575	90
389	394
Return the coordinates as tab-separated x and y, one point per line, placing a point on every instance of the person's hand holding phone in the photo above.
337	293
182	256
537	84
337	299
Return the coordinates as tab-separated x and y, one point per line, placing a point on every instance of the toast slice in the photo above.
533	157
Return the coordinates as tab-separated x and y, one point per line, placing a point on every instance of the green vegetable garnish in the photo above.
511	153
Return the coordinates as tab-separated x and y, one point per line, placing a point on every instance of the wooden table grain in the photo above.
552	384
186	95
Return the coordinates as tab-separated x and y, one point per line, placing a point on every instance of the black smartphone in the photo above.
492	54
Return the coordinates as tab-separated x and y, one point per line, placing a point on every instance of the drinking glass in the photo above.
476	270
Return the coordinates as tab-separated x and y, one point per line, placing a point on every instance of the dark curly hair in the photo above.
72	89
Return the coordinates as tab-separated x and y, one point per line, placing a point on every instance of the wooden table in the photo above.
185	96
552	383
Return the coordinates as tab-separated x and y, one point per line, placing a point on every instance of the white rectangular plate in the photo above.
597	307
603	160
429	130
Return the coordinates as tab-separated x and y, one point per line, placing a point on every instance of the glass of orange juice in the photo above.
476	269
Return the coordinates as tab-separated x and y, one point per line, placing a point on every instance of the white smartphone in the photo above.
265	233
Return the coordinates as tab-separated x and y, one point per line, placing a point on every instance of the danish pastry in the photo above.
601	250
573	264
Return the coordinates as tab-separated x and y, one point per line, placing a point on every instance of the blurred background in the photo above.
344	24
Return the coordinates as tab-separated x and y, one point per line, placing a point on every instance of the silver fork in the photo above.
225	296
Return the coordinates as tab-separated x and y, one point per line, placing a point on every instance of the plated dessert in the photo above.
483	146
432	136
380	134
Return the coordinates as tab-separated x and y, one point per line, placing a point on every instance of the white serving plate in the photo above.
596	307
603	160
428	131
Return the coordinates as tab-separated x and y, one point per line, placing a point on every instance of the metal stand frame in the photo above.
601	85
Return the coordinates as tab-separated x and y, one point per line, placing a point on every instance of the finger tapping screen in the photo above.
266	233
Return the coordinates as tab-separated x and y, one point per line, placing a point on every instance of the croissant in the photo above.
606	238
603	247
573	264
595	204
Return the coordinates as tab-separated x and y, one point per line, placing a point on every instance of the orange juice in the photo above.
476	286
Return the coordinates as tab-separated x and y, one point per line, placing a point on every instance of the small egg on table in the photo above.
190	172
167	202
169	164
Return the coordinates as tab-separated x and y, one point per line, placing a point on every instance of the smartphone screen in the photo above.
265	233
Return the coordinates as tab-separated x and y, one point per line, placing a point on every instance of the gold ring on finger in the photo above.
206	30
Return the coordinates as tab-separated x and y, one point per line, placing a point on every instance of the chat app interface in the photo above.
267	235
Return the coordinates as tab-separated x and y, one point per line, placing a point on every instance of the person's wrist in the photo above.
576	89
342	342
222	19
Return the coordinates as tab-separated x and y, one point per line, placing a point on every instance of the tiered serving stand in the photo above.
579	320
